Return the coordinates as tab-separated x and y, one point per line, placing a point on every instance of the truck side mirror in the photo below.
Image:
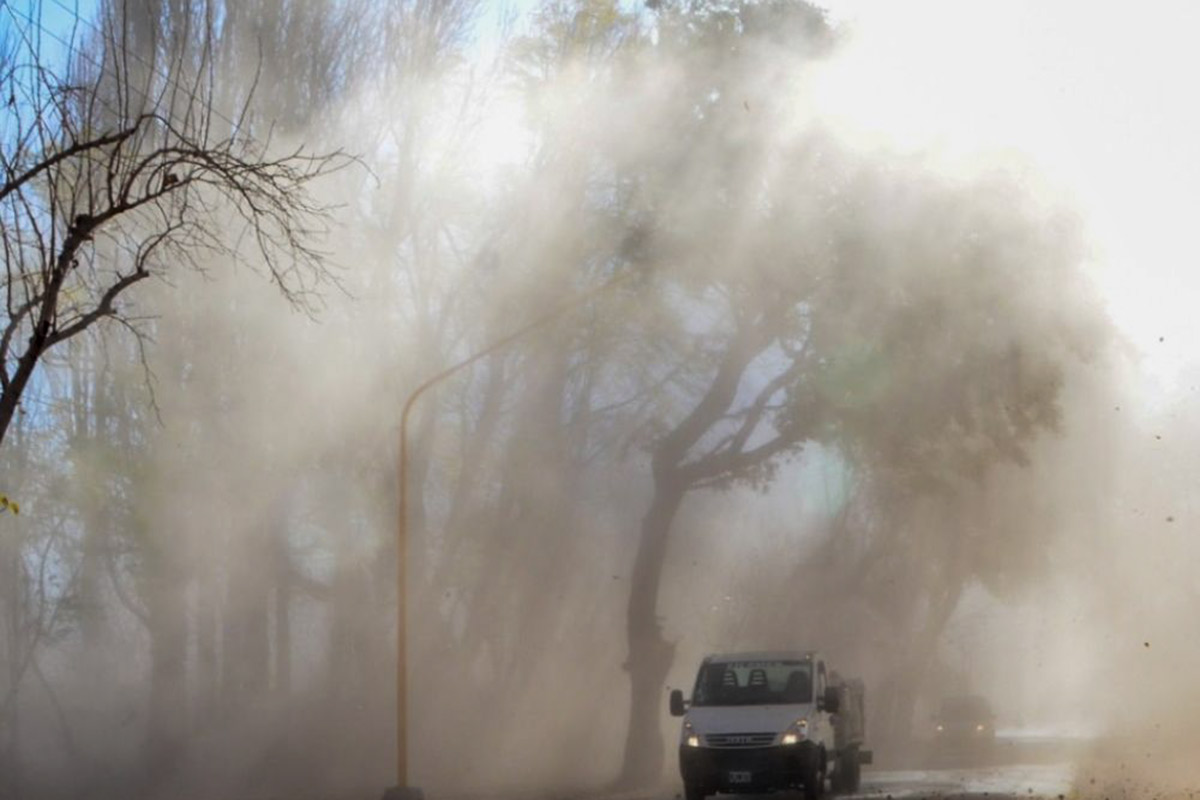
832	701
678	707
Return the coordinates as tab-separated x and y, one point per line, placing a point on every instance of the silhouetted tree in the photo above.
116	167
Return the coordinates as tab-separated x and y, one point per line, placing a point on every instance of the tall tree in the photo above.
831	297
113	173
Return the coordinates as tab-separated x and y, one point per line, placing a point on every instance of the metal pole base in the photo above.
403	793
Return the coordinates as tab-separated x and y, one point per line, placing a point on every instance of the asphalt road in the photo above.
996	782
1012	769
1009	780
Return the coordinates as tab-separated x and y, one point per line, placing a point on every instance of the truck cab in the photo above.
761	722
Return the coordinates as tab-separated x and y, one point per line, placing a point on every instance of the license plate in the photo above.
739	777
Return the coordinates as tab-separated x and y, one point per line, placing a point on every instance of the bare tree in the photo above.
117	167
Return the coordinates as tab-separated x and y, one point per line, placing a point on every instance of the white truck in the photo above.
770	721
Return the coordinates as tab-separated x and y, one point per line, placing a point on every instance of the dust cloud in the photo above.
1082	97
901	256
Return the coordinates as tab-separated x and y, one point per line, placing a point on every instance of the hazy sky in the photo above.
1099	96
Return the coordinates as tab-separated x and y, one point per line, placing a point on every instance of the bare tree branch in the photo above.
114	174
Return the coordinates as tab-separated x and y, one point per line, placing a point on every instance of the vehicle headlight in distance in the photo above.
690	737
796	732
940	728
979	728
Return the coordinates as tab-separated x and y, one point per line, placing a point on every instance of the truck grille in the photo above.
739	739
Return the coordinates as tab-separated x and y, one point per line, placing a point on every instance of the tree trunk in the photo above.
650	655
282	651
208	620
93	411
167	608
11	766
10	729
246	647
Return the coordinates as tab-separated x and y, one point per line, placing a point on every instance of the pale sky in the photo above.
1101	97
1098	96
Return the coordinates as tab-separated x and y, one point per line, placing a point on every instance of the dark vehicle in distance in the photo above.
963	727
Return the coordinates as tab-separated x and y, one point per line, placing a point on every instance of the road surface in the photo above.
1010	780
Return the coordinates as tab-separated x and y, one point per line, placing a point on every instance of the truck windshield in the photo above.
753	683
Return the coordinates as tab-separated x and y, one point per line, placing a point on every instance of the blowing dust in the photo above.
925	270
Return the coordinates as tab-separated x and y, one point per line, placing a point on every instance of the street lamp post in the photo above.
402	791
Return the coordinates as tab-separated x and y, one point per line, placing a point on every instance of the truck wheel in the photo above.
813	778
811	790
693	791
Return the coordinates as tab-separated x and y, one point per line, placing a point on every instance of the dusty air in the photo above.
598	400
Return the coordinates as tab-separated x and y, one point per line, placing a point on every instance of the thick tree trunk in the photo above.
360	657
93	623
93	411
10	728
345	606
11	764
207	616
282	651
650	655
246	646
168	630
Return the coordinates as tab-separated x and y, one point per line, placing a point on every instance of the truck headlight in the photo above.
690	737
693	740
796	732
